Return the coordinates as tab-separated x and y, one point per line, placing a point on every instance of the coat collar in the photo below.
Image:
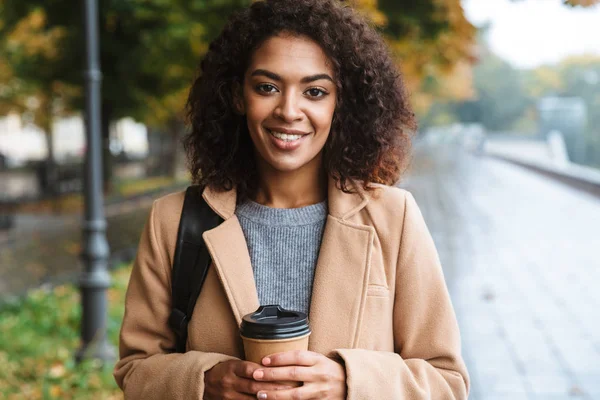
341	205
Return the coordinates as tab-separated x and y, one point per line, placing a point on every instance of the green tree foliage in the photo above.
498	99
501	99
434	44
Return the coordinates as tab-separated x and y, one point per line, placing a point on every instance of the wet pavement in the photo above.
45	249
520	255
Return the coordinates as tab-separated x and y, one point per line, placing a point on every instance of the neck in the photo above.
291	189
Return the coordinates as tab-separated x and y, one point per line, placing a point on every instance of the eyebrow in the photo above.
275	77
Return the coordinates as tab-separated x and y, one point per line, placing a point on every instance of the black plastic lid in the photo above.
274	322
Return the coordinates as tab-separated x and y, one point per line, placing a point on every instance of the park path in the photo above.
521	258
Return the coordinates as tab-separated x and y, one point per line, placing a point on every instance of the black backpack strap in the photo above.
191	262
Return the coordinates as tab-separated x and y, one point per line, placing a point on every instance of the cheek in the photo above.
256	114
323	116
257	108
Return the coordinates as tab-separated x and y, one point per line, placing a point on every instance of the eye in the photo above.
266	88
315	92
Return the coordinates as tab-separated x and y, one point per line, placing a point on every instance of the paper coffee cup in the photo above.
257	349
272	329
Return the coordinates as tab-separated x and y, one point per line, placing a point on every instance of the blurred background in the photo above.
505	170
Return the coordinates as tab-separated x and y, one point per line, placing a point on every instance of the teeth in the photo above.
285	136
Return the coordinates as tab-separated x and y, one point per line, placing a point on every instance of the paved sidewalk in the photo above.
520	255
46	249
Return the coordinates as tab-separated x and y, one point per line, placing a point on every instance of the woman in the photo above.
299	127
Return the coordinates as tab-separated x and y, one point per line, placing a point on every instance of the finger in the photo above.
250	386
297	357
242	396
245	369
303	392
288	373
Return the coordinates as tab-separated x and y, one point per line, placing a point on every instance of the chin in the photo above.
283	166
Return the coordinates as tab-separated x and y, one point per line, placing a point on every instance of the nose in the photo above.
288	109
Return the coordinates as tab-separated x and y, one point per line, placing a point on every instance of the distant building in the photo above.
567	115
21	142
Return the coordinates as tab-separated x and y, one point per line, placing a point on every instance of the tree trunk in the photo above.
49	170
173	128
50	164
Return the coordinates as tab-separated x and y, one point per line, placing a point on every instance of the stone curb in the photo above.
579	177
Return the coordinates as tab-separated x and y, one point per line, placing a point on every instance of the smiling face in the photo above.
288	97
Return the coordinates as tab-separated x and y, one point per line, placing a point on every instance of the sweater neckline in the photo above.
282	216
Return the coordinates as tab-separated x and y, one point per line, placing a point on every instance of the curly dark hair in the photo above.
373	121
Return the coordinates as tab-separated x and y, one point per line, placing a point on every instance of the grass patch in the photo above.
39	335
132	187
72	203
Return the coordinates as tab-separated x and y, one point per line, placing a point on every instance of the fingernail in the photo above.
258	374
262	396
266	361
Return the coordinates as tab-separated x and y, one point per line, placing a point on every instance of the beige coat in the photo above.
379	302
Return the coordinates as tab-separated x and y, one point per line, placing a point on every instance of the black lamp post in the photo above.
94	280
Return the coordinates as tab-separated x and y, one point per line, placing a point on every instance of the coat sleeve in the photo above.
147	368
427	362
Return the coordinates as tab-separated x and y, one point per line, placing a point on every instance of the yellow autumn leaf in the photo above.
57	370
95	381
55	391
73	248
60	290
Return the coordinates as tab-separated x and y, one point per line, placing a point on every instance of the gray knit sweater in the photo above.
284	246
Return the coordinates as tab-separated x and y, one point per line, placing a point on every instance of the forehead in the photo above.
293	55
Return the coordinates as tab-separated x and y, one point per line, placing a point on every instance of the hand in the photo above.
233	380
323	377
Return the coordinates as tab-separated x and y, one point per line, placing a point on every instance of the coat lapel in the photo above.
229	252
341	276
340	285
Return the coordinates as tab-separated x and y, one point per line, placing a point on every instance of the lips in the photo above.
286	139
286	130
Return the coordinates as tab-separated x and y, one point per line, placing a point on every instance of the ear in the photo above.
238	99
